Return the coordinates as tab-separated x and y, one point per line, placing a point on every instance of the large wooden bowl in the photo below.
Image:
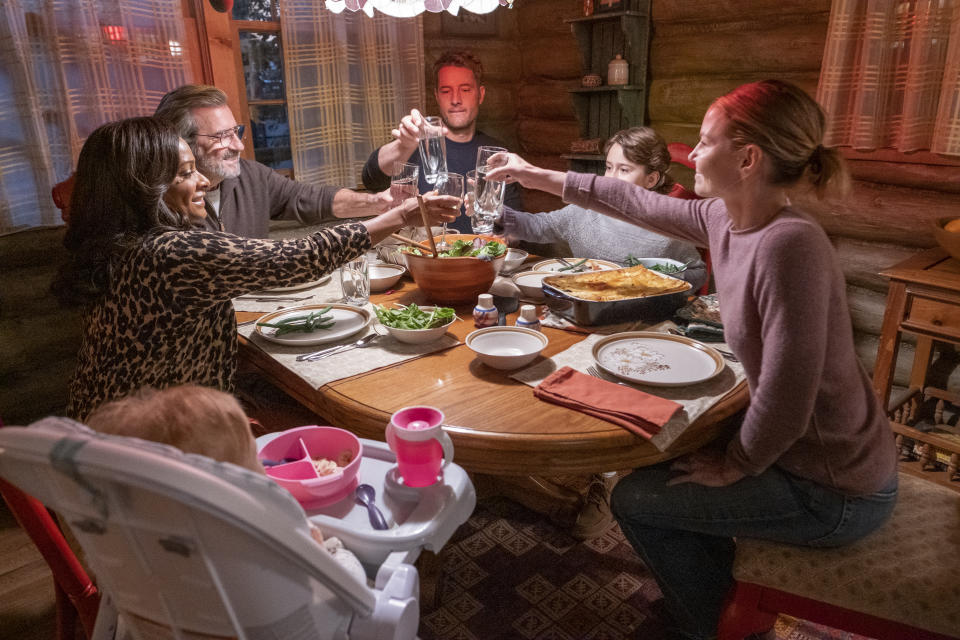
949	240
452	280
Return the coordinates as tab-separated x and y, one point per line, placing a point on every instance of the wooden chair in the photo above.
902	582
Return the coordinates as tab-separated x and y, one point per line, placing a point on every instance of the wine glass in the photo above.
448	184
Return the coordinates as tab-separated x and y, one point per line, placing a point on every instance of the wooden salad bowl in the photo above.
453	280
949	240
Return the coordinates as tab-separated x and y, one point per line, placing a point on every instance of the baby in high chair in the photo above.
204	421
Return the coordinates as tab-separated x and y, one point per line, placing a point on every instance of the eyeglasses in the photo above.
223	137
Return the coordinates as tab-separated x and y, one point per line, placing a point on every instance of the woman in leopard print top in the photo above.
159	291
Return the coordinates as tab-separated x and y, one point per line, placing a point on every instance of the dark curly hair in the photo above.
124	169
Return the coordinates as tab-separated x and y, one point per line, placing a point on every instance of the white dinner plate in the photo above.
657	359
347	320
592	264
299	287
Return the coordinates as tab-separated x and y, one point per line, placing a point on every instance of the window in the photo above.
257	25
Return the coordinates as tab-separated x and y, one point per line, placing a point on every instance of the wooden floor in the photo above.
26	588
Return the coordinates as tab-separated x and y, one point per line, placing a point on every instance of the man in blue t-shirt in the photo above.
459	93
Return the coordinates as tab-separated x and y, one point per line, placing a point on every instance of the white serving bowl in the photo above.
419	336
514	259
529	283
384	275
506	348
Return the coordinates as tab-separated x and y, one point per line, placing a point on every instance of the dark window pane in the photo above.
253	10
262	65
271	135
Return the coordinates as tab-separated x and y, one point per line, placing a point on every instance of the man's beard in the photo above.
216	169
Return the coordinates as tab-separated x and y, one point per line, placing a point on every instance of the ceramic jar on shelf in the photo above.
618	71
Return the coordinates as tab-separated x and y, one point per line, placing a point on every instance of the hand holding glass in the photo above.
433	148
403	182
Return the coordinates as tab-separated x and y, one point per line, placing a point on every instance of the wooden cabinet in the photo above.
604	110
923	300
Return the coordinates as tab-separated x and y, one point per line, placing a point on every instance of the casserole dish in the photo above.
648	308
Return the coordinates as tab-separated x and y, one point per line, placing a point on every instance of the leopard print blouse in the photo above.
167	317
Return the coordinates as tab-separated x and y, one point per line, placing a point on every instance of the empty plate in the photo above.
657	359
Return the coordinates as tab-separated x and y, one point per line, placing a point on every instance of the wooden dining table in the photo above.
497	425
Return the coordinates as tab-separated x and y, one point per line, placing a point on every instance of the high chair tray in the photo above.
419	518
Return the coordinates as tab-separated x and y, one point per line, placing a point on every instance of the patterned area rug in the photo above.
508	573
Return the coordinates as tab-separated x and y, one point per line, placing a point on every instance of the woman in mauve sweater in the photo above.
814	461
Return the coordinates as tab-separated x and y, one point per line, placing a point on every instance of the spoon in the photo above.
365	341
365	495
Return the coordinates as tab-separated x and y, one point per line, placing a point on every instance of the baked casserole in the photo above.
617	284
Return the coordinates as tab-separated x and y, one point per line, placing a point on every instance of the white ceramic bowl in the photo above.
384	275
529	283
506	347
419	336
514	259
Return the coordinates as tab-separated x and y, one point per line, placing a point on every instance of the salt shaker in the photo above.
485	314
528	318
618	71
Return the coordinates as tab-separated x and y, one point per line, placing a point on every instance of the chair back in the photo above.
61	193
680	154
186	546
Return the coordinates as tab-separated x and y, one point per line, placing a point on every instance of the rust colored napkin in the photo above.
632	409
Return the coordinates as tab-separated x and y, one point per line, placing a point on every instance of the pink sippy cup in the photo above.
423	449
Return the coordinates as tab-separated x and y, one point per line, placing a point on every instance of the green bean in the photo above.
313	321
573	266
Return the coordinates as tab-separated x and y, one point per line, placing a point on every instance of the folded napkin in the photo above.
632	409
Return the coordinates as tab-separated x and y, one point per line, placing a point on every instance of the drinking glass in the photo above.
403	182
484	153
433	148
487	201
355	281
448	184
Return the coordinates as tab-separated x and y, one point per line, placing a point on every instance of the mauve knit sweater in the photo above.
813	411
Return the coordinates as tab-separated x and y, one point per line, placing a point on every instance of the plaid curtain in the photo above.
66	67
891	75
350	78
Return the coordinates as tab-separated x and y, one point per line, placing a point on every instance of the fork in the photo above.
365	341
592	370
726	354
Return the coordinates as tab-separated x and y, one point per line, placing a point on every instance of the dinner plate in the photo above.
299	287
657	359
593	263
347	320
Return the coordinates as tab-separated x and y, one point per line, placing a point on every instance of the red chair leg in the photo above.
741	615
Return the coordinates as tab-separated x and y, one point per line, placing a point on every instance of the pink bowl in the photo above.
299	477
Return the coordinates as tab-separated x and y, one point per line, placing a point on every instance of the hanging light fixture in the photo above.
410	8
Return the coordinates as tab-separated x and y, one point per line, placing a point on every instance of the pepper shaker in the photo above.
485	314
528	318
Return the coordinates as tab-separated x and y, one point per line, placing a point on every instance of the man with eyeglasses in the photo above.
459	93
245	195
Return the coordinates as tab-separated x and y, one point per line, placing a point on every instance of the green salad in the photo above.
413	317
466	249
631	261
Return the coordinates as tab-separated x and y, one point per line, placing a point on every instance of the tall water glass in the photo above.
404	182
487	200
433	148
448	184
355	281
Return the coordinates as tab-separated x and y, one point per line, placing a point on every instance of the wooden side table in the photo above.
923	300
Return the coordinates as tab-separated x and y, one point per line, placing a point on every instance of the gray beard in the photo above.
216	172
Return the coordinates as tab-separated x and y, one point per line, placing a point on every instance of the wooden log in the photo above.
883	213
556	58
753	48
907	174
500	102
547	136
685	99
866	345
547	99
866	309
26	399
862	261
665	11
685	132
540	18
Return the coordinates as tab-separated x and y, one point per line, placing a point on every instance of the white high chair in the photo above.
185	547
